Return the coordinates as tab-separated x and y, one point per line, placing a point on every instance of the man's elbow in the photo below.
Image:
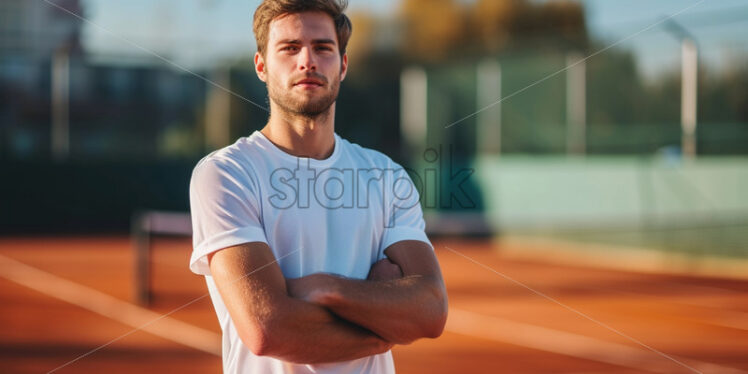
430	325
257	340
435	326
270	345
430	318
269	339
261	335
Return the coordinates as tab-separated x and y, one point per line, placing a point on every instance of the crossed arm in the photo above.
400	309
326	318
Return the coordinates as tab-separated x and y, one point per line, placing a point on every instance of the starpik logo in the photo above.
438	184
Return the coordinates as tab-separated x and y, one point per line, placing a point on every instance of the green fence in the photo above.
699	206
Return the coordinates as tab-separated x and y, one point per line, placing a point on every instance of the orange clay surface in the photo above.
506	315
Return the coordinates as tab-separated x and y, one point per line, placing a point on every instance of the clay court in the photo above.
584	163
67	307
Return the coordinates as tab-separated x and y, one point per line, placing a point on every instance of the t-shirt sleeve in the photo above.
404	219
225	210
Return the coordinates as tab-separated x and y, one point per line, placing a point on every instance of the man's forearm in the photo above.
307	333
399	310
272	323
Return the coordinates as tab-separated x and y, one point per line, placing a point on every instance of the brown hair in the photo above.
272	9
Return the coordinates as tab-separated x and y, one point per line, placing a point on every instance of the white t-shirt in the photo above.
335	215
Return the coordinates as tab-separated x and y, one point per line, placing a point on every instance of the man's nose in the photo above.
306	59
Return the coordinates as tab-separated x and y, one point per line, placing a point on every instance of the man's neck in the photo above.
302	136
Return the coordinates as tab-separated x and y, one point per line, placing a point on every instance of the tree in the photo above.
439	30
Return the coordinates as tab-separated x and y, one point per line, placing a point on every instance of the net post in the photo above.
141	241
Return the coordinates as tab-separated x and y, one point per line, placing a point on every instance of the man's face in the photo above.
302	66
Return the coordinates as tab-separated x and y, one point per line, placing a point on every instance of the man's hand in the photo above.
315	287
384	270
310	288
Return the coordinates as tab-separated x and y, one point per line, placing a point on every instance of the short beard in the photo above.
311	109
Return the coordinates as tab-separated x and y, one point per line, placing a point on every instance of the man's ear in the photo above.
260	66
343	66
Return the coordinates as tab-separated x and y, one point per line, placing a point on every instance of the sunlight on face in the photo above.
303	67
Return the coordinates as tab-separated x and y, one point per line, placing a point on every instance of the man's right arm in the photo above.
271	323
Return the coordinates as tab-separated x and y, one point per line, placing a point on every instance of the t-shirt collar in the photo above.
277	152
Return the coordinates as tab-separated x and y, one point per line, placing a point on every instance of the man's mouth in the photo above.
309	82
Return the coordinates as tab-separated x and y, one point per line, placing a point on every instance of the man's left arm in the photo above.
399	310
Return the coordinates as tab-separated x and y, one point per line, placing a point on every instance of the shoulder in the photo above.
231	163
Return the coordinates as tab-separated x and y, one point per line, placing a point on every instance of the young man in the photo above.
313	248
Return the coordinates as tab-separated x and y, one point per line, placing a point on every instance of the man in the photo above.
313	248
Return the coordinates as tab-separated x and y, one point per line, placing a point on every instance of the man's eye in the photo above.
288	48
324	48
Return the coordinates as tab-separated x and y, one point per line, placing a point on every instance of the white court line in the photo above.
643	260
108	306
560	342
460	322
624	257
729	319
573	310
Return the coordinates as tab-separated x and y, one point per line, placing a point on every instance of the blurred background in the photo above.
107	106
607	126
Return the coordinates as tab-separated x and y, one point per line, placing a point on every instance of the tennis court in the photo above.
67	307
588	159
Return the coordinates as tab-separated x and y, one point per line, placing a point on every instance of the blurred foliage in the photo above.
438	30
153	112
630	113
136	130
433	29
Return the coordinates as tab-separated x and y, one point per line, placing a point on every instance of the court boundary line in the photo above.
570	308
556	341
476	325
110	307
462	322
160	317
618	257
